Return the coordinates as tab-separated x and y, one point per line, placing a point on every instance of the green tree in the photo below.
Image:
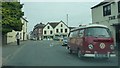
11	16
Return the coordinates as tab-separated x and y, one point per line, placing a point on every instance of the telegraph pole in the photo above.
67	19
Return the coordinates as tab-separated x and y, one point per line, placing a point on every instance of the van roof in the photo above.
90	25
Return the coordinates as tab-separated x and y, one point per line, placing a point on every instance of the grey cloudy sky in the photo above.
78	12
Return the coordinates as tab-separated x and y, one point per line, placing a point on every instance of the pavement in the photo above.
9	49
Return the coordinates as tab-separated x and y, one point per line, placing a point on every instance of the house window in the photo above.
107	10
56	30
119	7
51	32
65	30
61	25
61	30
48	27
44	32
40	30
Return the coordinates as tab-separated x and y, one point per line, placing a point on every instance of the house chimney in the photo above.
40	22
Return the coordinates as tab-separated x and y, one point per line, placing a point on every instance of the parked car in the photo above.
64	42
33	38
58	38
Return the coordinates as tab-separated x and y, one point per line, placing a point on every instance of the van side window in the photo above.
75	33
71	34
81	33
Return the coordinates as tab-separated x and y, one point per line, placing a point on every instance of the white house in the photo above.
61	29
23	32
48	31
11	36
108	13
53	29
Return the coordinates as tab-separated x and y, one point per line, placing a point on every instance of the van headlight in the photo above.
111	47
90	46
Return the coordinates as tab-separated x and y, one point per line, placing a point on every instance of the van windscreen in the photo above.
98	32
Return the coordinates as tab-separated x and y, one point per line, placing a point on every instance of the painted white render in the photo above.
59	29
54	32
11	36
97	14
48	30
97	17
24	29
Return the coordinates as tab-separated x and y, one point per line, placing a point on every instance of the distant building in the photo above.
54	29
38	31
108	13
48	30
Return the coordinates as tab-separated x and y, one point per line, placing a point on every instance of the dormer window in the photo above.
48	27
61	25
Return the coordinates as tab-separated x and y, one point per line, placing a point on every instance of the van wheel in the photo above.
79	54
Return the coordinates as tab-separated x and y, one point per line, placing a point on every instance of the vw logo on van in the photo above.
102	45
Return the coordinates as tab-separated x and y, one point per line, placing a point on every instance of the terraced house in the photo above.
108	13
38	31
55	29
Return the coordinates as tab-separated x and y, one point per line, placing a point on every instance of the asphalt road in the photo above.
42	53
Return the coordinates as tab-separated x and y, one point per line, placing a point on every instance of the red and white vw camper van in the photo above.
91	41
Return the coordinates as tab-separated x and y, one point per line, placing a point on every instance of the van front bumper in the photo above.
100	55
